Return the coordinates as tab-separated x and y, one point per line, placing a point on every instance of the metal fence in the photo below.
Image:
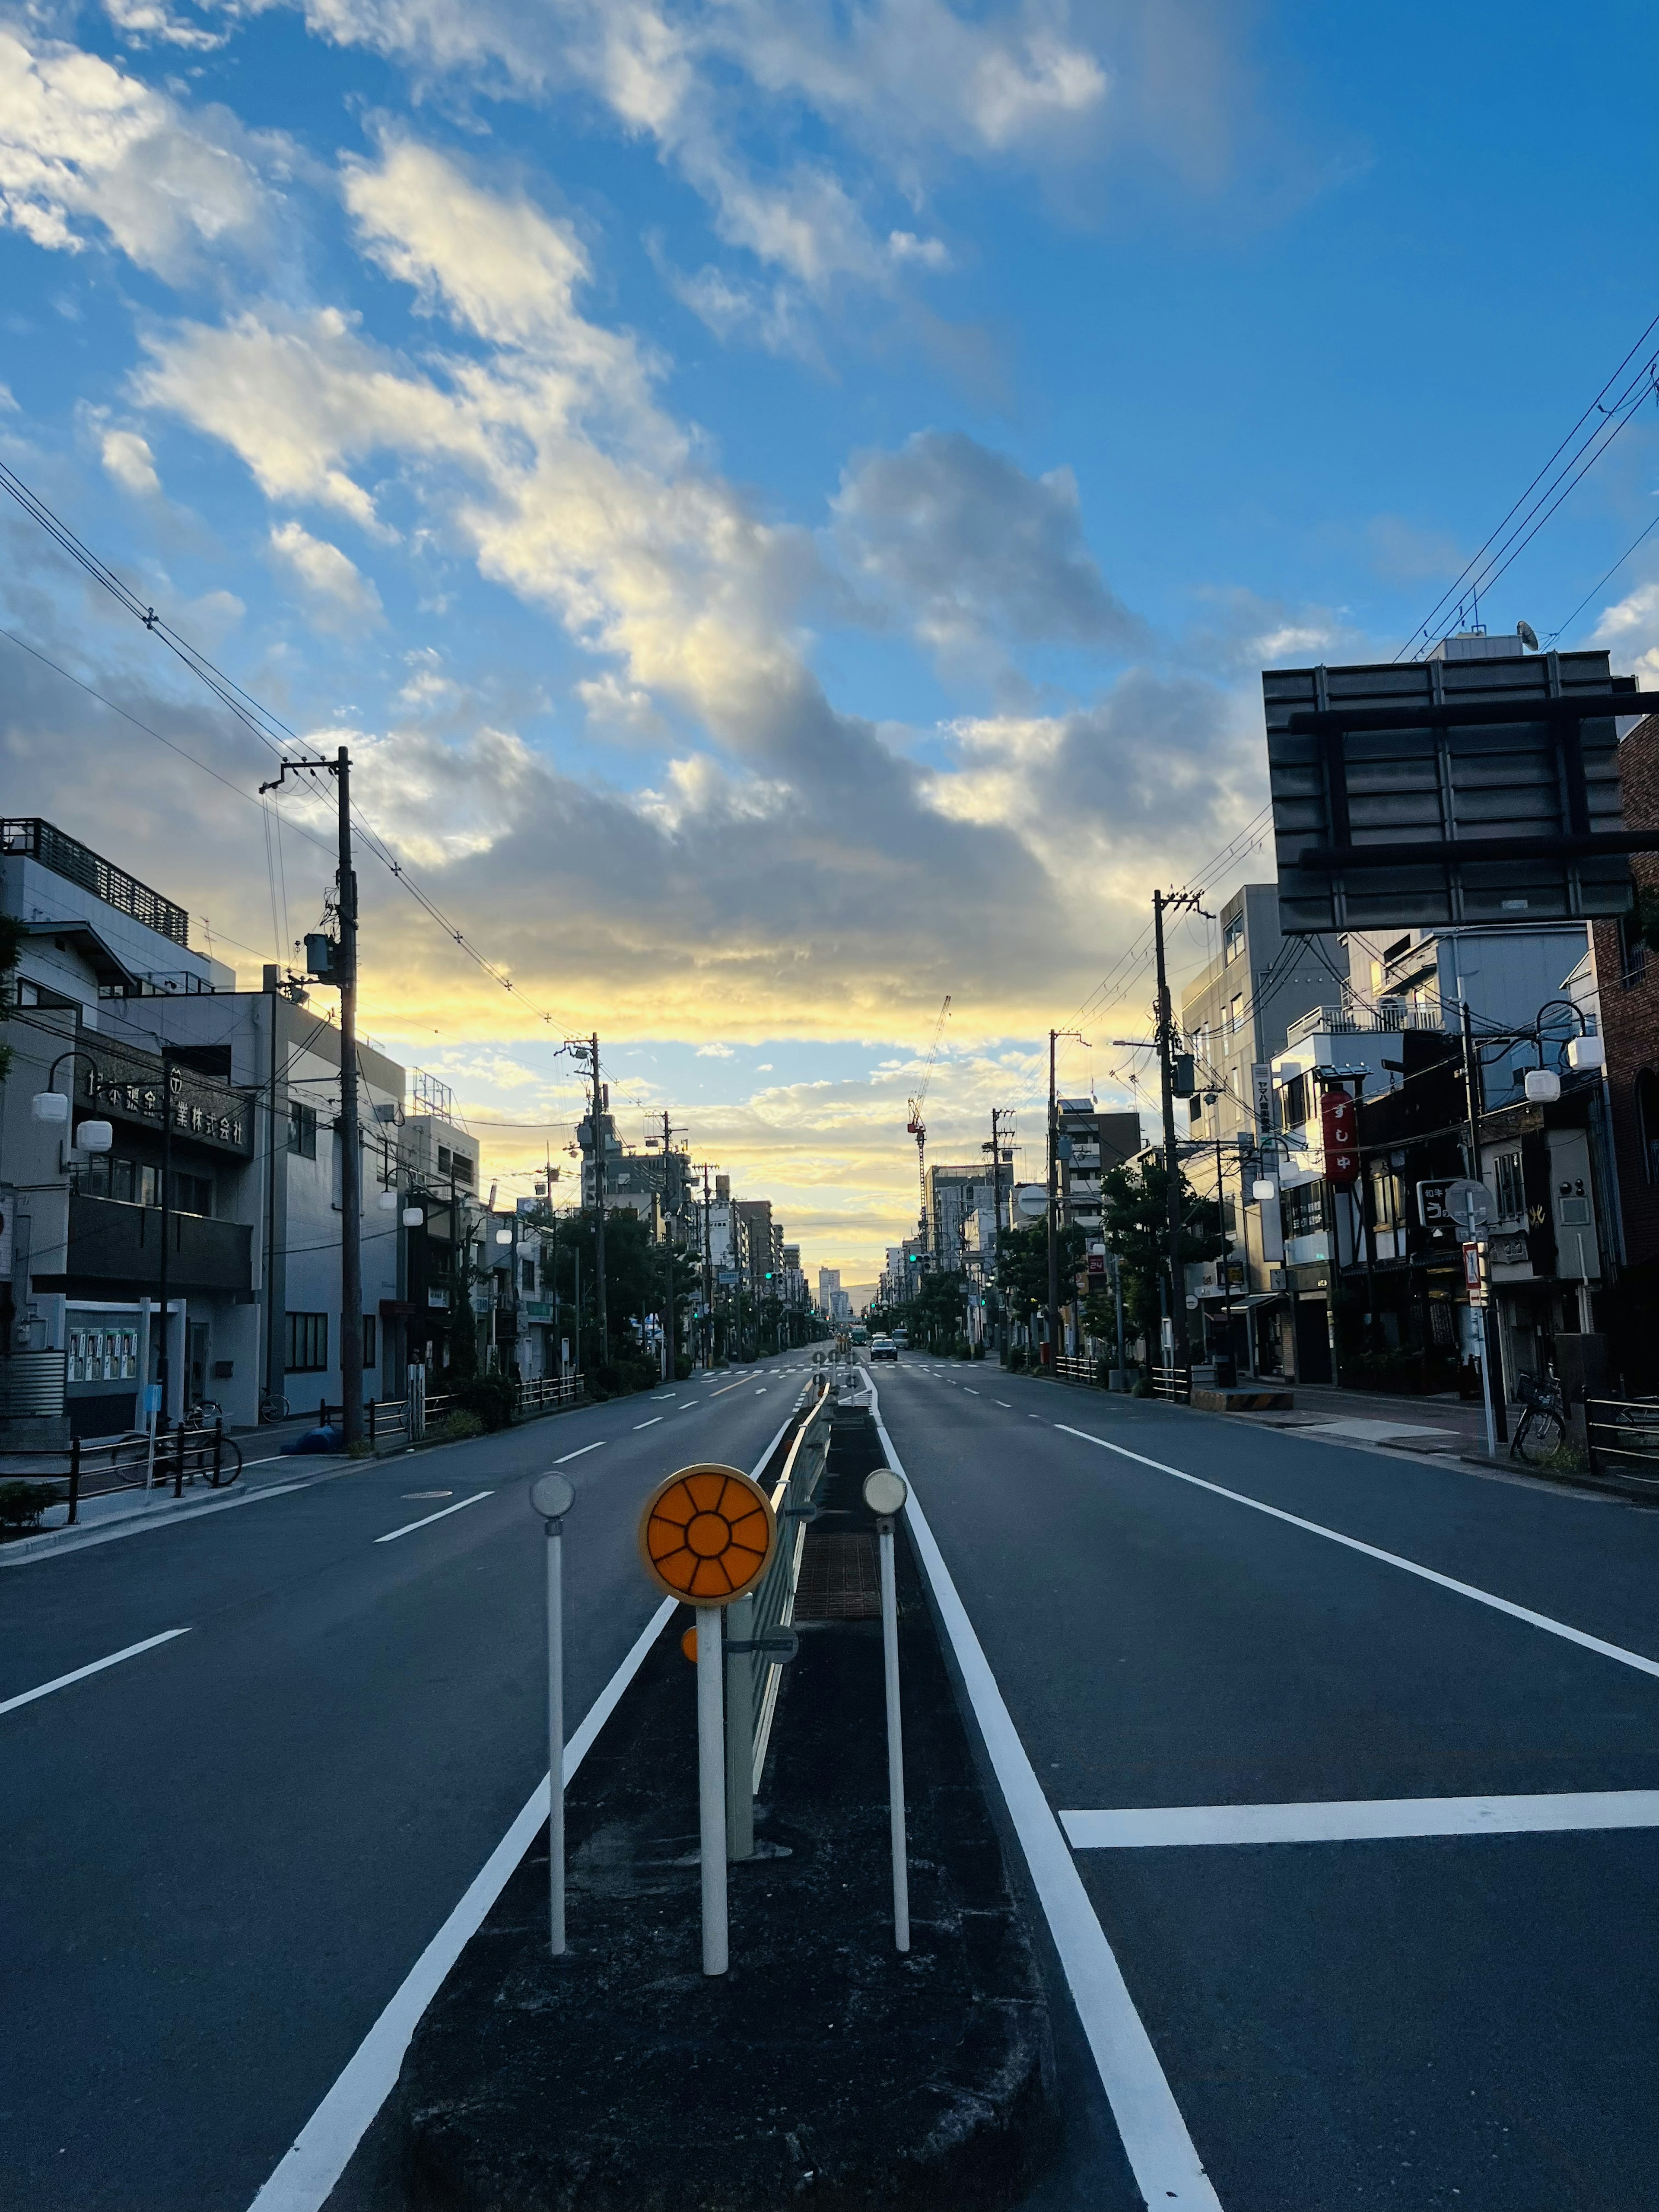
757	1626
1076	1370
1621	1438
97	1470
1175	1383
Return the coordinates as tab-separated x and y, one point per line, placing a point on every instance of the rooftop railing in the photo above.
79	864
1387	1018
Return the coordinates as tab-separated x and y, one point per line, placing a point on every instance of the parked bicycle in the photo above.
273	1407
203	1414
1542	1429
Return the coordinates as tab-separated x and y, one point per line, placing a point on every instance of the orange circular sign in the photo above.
707	1533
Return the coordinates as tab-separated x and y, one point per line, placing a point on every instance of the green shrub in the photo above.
454	1426
490	1399
21	1503
682	1367
1014	1359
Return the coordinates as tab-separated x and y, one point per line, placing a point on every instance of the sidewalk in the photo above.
1443	1423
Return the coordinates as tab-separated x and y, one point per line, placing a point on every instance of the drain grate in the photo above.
840	1579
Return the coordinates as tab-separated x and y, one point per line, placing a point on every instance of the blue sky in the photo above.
787	503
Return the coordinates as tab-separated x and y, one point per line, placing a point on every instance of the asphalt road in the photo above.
1423	2022
219	1857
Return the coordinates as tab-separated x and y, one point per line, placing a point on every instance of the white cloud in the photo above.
145	20
1631	625
81	143
716	1052
128	459
325	574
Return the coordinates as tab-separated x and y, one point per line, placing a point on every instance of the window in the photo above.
527	1279
1511	1191
1303	1209
1633	947
191	1193
134	1182
307	1343
1386	1197
1647	1121
1296	1102
1232	939
371	1339
302	1130
446	1159
463	1168
1236	1013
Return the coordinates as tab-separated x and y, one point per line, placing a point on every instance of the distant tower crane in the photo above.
917	1126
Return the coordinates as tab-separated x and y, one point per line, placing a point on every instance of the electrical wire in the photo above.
1596	587
1548	488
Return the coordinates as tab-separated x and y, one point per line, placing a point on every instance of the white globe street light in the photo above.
1261	1189
94	1137
50	1106
413	1216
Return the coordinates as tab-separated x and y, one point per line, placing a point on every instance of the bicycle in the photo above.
205	1414
273	1407
1542	1428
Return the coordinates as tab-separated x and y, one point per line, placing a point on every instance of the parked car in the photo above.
902	1338
883	1348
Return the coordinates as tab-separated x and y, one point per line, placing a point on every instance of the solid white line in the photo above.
650	1423
97	1667
1543	1620
427	1520
1361	1819
579	1450
322	2150
1161	2154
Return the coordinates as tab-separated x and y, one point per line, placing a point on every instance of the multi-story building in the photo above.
829	1291
107	984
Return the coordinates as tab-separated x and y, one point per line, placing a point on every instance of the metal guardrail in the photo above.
1175	1383
1076	1370
549	1390
1621	1437
757	1626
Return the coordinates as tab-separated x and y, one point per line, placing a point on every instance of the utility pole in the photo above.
997	1112
341	970
708	1276
1173	901
1054	1203
599	1314
668	1346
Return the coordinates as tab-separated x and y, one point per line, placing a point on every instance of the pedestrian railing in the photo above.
758	1637
1174	1384
1076	1370
1621	1437
87	1470
544	1390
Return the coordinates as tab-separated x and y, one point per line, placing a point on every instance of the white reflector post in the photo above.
711	1786
50	1106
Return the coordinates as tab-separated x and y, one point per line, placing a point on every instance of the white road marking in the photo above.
1361	1819
94	1667
321	2151
1004	1404
650	1423
579	1450
665	1397
724	1387
761	1393
1161	2154
1037	1417
409	1526
1579	1635
969	1388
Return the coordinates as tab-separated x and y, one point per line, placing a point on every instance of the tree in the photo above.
1022	1267
11	944
1135	1218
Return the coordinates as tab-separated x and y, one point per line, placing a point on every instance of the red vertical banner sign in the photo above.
1339	1126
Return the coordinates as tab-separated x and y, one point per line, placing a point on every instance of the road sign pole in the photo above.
711	1789
885	1493
552	1497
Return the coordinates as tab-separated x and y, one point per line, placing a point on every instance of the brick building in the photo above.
1627	980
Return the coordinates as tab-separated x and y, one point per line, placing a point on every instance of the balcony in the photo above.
115	1251
1387	1018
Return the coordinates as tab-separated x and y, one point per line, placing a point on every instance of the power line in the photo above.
1596	587
1548	488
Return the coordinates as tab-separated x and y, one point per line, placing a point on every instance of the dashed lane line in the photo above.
597	1444
427	1520
93	1667
650	1423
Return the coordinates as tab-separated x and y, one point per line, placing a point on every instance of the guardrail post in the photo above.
218	1449
75	1482
711	1813
371	1424
740	1733
179	1468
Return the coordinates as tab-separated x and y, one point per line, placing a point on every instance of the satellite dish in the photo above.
1527	635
